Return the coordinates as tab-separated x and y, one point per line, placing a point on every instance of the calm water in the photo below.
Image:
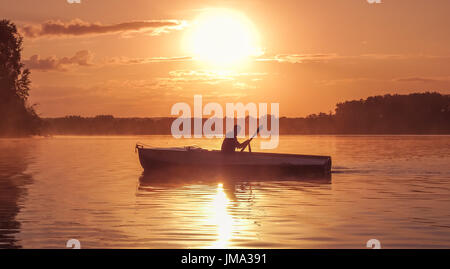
392	188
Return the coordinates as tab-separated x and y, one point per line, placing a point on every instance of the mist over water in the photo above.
392	188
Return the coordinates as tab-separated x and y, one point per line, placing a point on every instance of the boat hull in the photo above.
198	159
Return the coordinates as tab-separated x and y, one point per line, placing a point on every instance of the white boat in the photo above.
151	158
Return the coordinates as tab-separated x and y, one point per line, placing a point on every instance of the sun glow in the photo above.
222	37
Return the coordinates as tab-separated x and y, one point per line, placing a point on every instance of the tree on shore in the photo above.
17	117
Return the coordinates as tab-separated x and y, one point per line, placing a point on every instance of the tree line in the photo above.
417	113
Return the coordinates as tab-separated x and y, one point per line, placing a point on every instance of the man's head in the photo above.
236	129
233	133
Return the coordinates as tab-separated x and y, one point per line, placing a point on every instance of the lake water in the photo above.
395	189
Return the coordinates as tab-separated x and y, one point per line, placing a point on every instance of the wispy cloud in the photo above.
127	60
381	56
215	74
326	57
52	63
78	27
423	79
333	82
298	58
211	83
85	58
212	77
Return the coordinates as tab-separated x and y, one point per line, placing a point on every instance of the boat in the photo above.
201	159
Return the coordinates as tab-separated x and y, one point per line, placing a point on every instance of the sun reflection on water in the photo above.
221	218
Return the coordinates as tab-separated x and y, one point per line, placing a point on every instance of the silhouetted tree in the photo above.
17	118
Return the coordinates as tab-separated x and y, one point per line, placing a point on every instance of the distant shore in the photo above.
415	114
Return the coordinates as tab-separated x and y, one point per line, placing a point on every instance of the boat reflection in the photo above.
183	174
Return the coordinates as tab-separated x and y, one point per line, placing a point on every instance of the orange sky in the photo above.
131	58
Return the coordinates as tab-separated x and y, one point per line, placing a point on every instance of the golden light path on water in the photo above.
220	217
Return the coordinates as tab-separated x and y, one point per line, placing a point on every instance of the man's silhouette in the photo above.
230	144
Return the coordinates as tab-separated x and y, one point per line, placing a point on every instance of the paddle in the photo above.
248	141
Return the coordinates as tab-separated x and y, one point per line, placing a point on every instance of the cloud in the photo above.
211	83
372	81
84	58
214	74
333	82
325	57
78	27
212	77
381	56
299	58
127	60
52	63
423	79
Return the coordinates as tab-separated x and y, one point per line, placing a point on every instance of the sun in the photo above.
222	37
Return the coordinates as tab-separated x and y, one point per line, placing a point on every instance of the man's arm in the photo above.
241	145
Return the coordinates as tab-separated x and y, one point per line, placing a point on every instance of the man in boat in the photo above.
230	144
